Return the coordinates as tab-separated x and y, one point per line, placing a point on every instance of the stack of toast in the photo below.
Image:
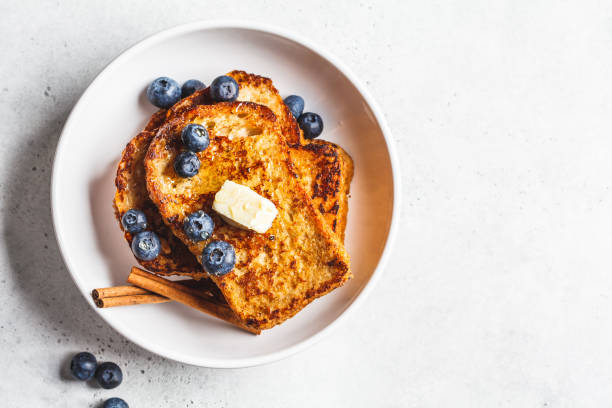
256	142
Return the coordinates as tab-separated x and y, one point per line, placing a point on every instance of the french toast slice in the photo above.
174	257
279	272
325	171
324	168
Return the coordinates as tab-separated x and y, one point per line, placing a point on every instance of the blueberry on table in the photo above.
187	164
146	246
295	104
195	137
109	375
115	403
224	89
198	226
311	124
190	86
218	258
83	366
164	92
134	221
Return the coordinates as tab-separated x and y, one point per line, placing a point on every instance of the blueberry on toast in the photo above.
272	279
324	169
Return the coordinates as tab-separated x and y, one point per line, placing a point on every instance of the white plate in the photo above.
114	108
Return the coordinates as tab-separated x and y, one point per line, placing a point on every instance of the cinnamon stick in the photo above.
187	296
118	291
203	288
133	295
129	300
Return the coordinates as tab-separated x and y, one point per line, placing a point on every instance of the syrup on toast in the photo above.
276	273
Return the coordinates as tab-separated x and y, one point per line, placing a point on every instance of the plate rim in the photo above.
395	175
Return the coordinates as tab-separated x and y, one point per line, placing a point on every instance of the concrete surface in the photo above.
499	291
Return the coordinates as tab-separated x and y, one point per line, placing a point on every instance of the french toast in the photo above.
324	168
174	257
279	272
325	171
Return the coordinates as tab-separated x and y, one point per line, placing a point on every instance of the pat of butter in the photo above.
244	208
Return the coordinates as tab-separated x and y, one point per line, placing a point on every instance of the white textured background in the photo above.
499	291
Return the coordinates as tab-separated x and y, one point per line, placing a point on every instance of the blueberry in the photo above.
115	403
224	89
187	164
109	375
198	226
218	258
164	92
311	124
295	104
195	137
190	87
146	246
83	366
134	221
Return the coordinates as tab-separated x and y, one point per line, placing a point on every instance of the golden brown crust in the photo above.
279	272
157	119
324	169
175	258
328	182
261	90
